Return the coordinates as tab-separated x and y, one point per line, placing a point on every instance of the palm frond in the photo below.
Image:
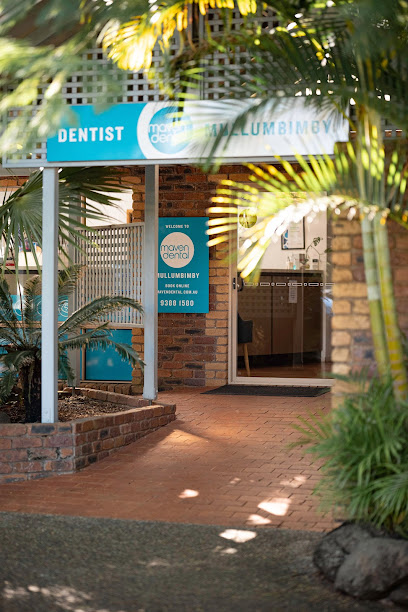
100	338
29	67
21	213
361	185
65	371
31	300
130	44
328	55
8	380
125	351
19	357
83	337
95	310
10	337
8	319
68	279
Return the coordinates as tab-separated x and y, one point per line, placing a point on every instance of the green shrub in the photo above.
363	450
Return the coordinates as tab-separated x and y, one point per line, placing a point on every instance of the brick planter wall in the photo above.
38	450
114	387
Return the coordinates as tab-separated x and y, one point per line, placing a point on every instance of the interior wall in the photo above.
275	257
114	215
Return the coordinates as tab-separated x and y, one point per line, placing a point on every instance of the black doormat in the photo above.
268	390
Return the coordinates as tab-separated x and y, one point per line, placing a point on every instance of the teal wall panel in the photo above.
107	364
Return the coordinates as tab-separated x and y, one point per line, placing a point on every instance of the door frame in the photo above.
233	377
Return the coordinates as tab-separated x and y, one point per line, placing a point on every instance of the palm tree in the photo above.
20	336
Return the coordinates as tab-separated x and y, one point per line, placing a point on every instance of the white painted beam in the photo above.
49	342
150	267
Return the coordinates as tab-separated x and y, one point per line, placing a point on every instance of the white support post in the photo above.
74	355
150	266
49	328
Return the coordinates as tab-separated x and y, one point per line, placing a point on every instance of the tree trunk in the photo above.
393	335
370	170
30	377
374	298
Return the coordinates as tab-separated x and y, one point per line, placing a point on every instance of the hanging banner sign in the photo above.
161	131
183	270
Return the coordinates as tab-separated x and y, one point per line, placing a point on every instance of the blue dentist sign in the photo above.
158	131
124	131
183	272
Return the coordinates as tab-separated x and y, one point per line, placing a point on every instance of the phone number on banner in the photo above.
176	302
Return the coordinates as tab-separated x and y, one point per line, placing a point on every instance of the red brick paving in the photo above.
223	461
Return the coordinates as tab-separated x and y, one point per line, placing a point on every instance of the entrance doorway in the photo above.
281	321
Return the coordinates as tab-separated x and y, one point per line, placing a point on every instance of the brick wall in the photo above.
39	450
351	333
116	387
35	451
193	348
98	437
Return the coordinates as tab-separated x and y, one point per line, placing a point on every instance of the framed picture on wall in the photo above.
294	237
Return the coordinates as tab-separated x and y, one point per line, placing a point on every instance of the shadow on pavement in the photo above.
53	563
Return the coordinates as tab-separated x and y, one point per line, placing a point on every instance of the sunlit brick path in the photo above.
223	461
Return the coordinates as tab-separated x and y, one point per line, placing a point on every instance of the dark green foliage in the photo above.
363	449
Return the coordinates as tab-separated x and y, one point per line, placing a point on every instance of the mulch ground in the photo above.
69	408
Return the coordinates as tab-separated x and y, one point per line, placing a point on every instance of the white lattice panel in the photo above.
234	61
84	88
113	264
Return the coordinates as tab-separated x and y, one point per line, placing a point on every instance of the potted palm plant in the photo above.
20	336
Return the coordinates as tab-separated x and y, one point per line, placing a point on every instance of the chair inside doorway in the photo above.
245	328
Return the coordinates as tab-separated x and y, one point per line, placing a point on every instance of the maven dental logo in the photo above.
169	134
177	250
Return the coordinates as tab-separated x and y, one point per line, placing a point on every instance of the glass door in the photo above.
283	319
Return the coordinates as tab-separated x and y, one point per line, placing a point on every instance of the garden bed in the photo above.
38	450
70	408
